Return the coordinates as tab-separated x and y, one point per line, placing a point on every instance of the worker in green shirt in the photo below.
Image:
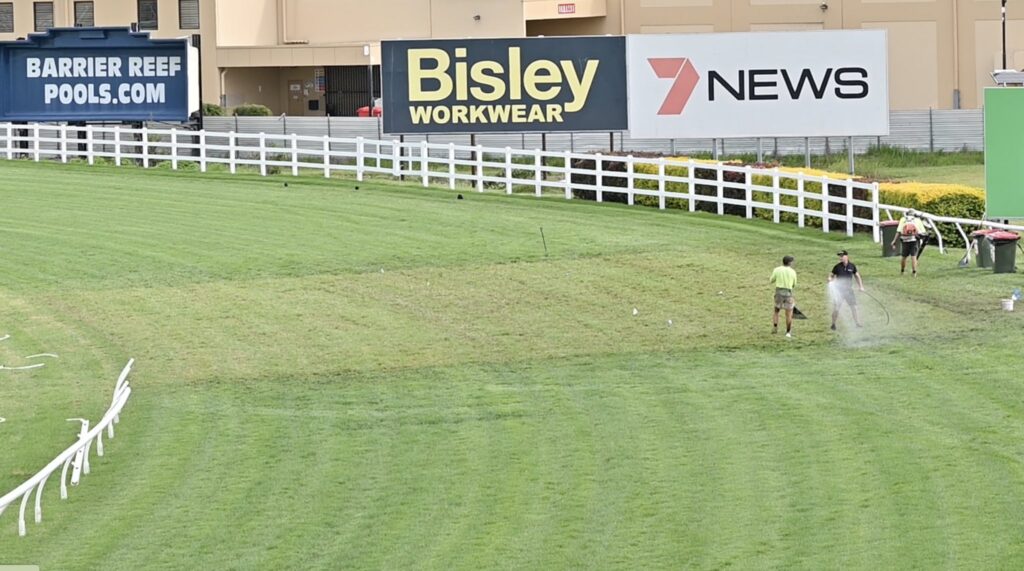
784	279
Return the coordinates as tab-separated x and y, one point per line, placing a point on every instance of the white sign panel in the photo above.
764	84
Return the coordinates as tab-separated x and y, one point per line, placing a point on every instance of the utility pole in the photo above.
1004	33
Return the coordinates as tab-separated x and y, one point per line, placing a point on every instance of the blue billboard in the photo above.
97	74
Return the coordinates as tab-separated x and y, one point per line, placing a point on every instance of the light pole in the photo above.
1004	33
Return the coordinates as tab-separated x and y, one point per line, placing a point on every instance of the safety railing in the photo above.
75	458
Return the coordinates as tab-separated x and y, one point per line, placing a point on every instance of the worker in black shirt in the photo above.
840	284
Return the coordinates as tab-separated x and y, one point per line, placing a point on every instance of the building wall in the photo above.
937	48
123	13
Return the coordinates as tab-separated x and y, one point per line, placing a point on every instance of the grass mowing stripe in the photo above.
478	405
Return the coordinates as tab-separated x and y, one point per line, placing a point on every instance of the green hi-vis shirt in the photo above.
784	277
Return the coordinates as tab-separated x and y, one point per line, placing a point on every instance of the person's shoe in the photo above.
775	330
833	327
914	274
789	334
860	325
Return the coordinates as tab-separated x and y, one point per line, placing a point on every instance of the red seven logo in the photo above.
685	76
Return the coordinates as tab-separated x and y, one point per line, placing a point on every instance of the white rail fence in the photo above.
75	457
841	205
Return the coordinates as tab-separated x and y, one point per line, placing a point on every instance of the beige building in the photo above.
313	57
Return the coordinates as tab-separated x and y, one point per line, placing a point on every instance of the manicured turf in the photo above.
391	378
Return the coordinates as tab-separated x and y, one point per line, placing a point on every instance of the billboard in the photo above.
504	85
1004	152
762	84
97	74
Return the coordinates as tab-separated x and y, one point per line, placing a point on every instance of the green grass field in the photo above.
392	378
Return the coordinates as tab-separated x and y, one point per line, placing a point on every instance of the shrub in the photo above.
252	110
951	200
213	110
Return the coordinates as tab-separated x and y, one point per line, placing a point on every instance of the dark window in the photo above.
147	15
43	15
6	17
84	15
188	14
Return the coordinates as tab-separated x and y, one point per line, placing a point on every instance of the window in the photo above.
6	17
43	12
84	15
188	14
147	15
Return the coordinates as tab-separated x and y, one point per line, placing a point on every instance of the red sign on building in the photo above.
567	8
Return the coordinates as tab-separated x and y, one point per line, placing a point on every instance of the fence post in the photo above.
35	141
691	186
479	168
10	144
824	207
800	199
451	166
327	158
660	183
599	179
232	141
508	170
747	180
567	172
849	207
202	151
425	163
88	145
629	180
174	149
145	147
63	143
117	145
396	159
295	154
360	156
537	172
721	188
776	197
263	154
875	214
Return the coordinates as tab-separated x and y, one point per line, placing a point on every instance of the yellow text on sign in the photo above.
488	80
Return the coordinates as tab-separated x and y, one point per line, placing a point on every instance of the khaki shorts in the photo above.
784	299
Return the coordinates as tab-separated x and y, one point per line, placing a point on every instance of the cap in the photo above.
842	253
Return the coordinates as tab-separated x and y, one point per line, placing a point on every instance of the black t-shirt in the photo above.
845	272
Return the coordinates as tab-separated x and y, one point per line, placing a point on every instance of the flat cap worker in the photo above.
912	233
840	287
784	279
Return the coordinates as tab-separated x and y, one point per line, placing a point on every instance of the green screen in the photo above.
1004	152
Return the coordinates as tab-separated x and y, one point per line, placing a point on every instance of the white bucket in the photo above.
1007	305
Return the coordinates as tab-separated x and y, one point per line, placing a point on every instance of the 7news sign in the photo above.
768	84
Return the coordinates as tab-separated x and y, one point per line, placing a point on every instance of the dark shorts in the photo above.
910	248
784	299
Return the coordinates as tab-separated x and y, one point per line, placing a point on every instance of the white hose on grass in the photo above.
25	368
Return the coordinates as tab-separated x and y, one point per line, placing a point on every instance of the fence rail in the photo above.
75	457
838	205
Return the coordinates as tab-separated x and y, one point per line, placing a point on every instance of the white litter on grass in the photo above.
670	323
382	270
721	293
51	355
636	311
25	368
5	338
